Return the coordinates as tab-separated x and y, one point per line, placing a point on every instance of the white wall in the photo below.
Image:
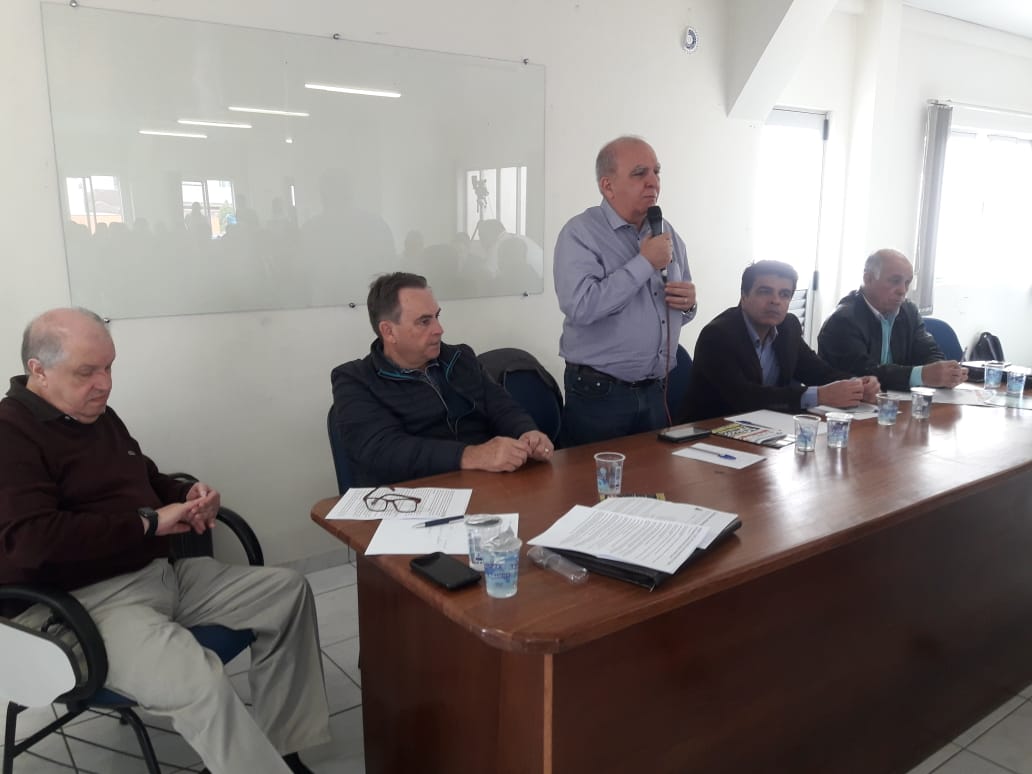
240	399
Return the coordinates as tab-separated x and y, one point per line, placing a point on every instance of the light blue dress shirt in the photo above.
769	363
886	336
617	320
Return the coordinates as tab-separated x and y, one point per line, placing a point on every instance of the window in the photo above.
94	199
984	211
496	194
787	196
212	200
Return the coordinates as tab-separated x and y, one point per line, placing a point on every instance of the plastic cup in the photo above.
993	374
479	529
806	432
502	564
921	402
838	429
609	473
888	407
1016	381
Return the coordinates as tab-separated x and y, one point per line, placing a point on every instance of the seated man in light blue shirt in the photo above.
752	356
625	294
876	330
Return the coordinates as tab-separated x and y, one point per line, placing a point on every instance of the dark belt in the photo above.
592	373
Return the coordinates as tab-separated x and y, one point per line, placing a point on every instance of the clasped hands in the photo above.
502	454
196	513
849	392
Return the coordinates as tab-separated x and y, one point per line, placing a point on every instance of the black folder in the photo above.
635	573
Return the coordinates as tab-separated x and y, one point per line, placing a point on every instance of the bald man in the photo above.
876	331
82	509
625	293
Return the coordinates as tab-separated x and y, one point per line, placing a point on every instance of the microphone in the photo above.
655	217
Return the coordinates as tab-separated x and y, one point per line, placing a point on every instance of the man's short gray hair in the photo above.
875	261
605	162
44	342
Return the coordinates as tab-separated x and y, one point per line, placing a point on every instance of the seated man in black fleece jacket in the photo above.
415	406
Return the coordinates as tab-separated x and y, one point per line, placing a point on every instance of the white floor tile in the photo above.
343	755
345	655
332	578
1009	742
341	691
990	720
27	763
338	615
933	762
100	733
29	720
965	762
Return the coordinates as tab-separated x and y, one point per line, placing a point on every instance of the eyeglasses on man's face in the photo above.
382	498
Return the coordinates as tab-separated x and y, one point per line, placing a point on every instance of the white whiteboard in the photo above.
297	210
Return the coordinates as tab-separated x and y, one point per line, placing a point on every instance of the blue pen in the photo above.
436	522
715	454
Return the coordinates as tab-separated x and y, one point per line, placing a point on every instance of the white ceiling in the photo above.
1014	16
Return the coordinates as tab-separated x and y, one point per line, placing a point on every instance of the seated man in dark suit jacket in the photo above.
752	356
875	330
415	406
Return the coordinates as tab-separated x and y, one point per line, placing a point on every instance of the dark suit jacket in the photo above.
726	376
851	339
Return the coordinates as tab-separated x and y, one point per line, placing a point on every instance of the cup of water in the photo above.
1016	381
838	429
888	407
609	473
502	564
806	432
993	374
921	402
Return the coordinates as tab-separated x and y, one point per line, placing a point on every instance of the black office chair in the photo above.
340	457
527	381
51	673
945	337
677	381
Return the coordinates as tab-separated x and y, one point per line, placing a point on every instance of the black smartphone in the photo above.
682	433
445	570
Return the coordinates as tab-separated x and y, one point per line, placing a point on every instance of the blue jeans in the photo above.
599	407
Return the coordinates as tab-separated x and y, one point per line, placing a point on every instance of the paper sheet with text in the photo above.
432	502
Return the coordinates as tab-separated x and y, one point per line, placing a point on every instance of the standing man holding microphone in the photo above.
622	279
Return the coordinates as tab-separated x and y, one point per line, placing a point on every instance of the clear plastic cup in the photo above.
838	429
609	473
806	432
1016	381
921	402
888	408
993	374
502	564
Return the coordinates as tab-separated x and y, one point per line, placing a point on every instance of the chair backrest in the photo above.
537	399
945	337
677	382
340	458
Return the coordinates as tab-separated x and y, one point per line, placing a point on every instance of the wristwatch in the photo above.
151	516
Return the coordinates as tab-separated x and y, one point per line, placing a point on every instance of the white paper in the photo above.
965	394
707	452
715	522
401	536
434	501
660	544
863	411
773	419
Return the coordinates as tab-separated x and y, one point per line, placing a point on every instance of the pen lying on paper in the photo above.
436	522
715	453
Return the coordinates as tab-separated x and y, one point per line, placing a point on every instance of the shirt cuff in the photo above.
809	398
915	376
689	314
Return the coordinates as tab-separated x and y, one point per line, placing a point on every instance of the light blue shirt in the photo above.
617	320
769	363
886	335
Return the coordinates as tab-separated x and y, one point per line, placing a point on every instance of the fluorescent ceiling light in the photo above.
174	134
350	90
290	141
220	124
268	111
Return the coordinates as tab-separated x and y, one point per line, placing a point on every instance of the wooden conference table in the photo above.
875	603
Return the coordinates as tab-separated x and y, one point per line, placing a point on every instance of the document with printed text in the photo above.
389	503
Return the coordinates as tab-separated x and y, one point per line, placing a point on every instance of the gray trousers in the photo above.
153	659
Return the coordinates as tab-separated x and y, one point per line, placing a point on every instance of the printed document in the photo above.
773	419
401	536
433	501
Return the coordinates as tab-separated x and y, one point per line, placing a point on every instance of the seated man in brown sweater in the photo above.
82	509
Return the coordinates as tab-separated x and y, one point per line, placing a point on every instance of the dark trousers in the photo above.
599	407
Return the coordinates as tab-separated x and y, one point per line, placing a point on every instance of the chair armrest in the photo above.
70	612
239	526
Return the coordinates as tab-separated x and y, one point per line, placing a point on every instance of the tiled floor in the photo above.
1001	743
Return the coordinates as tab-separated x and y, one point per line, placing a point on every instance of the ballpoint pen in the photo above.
436	522
722	455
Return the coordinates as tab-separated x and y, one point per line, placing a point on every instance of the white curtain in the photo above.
937	132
